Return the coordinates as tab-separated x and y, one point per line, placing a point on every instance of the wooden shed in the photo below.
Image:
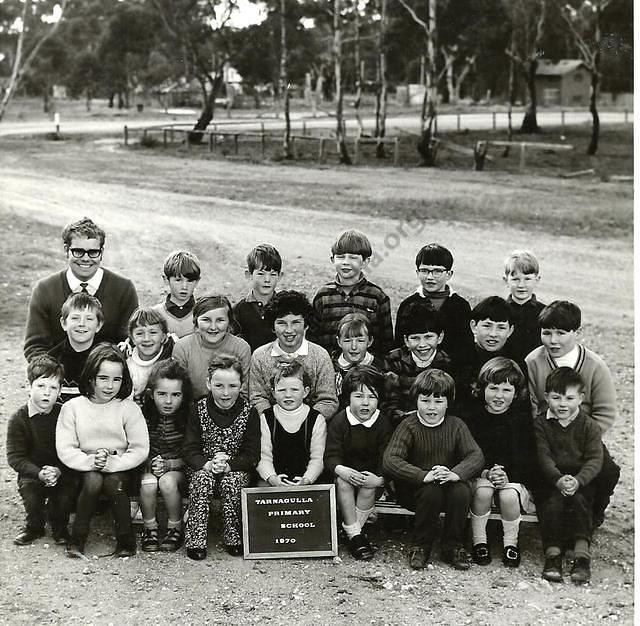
565	83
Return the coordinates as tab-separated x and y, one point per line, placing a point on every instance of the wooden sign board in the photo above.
289	522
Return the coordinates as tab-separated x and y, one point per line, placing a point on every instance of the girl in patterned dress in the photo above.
222	447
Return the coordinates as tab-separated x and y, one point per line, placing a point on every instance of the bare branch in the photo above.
415	17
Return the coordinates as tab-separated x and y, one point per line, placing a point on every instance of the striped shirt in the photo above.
332	302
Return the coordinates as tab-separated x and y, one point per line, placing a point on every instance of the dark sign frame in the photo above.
275	519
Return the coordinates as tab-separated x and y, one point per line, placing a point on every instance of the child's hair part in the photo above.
225	363
493	308
352	242
561	314
182	263
500	370
420	318
294	369
99	354
85	228
146	316
355	325
363	376
208	303
264	257
521	261
561	378
81	301
434	254
288	302
171	370
44	366
434	382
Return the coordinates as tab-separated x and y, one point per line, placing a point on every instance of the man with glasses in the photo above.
83	245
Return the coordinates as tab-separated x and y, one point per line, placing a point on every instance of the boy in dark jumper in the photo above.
264	269
431	457
521	275
570	457
81	318
31	451
433	268
351	292
424	330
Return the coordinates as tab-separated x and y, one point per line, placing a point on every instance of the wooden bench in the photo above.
390	507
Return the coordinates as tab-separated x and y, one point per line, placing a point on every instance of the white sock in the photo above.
363	516
479	527
352	529
151	524
511	529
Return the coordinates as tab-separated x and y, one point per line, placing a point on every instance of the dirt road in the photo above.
152	204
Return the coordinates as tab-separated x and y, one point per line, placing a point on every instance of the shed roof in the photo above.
562	67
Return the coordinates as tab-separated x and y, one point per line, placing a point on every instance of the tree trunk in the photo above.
425	147
359	70
195	137
337	60
382	91
595	86
284	84
530	120
511	94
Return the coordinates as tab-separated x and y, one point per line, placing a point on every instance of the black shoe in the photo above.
75	548
581	570
149	540
61	537
553	569
458	557
28	535
598	518
419	557
360	548
481	554
197	554
125	546
172	540
234	550
511	556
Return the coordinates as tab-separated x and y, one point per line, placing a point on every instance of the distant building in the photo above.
565	83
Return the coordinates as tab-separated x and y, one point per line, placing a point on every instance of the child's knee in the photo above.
344	485
168	483
148	484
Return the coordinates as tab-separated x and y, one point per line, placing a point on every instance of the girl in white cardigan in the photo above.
103	436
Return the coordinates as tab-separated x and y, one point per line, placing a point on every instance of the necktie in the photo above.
84	287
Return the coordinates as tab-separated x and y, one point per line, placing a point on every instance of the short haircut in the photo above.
521	261
561	314
225	363
171	370
500	370
352	242
182	263
208	303
293	369
354	325
85	228
99	354
434	382
146	316
44	366
493	308
264	257
81	301
363	376
418	317
288	302
434	254
561	378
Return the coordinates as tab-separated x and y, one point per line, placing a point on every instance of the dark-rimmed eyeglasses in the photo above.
78	253
436	272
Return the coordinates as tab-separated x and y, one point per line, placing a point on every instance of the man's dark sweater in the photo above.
116	293
31	441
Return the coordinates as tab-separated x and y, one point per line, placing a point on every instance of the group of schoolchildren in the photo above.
462	410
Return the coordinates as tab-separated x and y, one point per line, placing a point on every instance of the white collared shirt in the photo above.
303	350
354	421
32	409
570	359
565	422
93	284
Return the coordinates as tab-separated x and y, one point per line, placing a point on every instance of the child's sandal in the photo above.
511	556
149	541
481	554
360	548
172	540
